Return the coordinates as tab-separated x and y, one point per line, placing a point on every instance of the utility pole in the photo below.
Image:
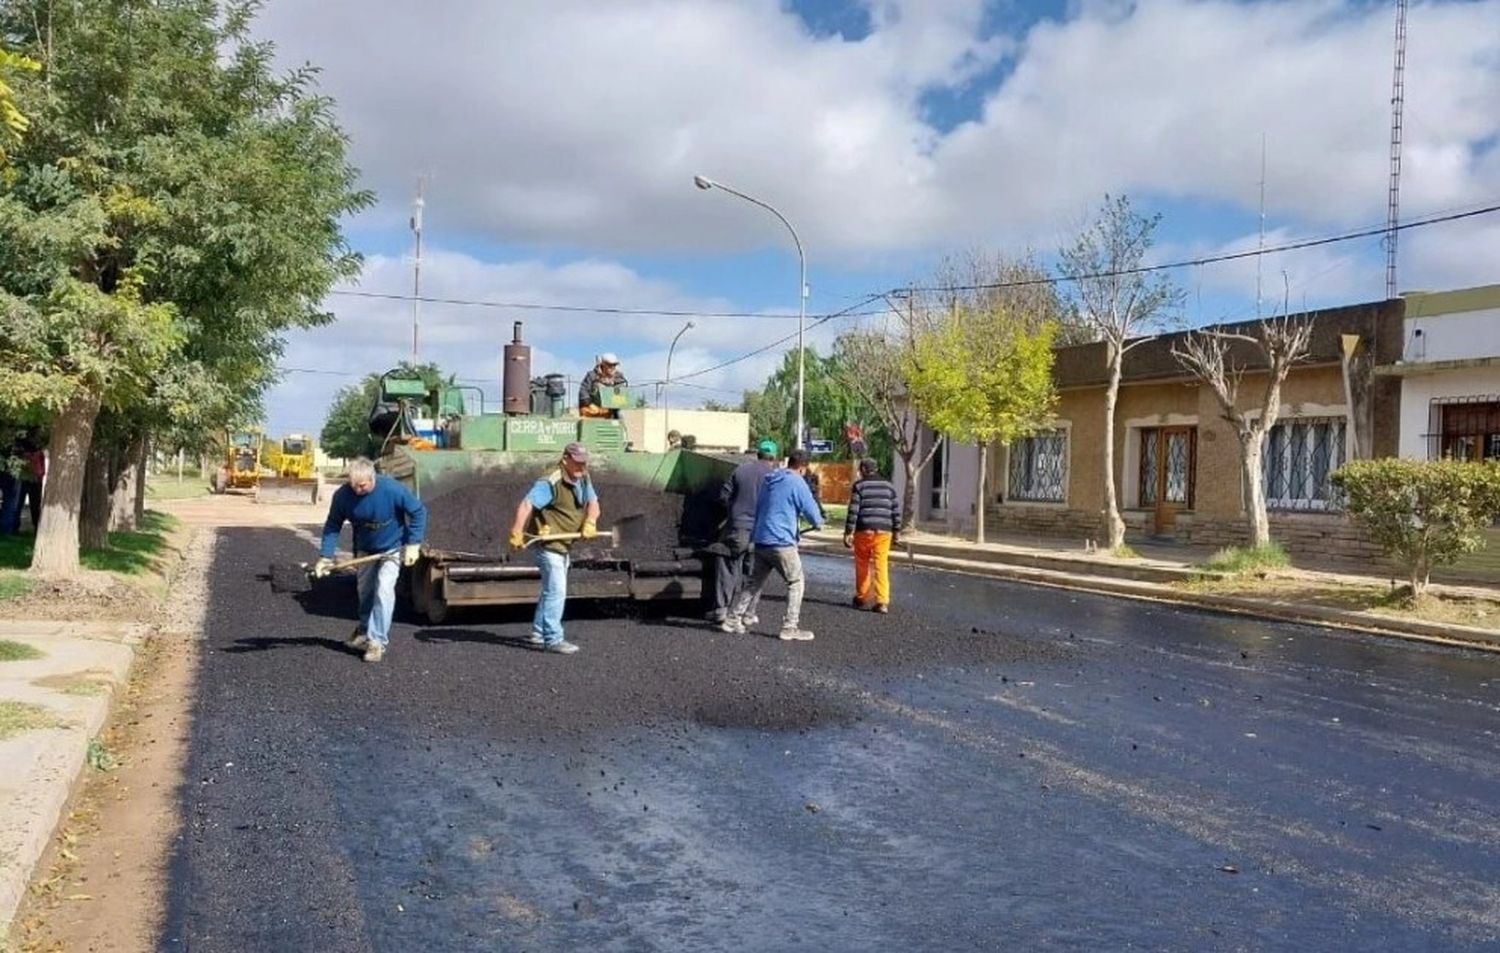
416	276
1261	244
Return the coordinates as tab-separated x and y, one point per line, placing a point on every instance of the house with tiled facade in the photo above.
1177	463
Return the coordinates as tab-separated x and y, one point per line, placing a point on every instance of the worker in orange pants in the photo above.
870	529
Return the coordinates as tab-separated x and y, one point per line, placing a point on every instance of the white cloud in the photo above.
581	124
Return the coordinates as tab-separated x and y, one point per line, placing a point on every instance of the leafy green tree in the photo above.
1424	513
12	121
828	403
173	210
984	376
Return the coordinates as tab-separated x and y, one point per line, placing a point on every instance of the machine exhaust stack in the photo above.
515	380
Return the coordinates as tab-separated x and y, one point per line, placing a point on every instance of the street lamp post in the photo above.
703	182
666	391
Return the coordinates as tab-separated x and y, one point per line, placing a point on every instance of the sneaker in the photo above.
560	648
751	620
716	616
882	608
358	640
858	603
733	626
535	639
795	635
374	651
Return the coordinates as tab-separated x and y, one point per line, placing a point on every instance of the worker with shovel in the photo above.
388	521
561	504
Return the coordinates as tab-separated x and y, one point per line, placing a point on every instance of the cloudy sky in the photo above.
560	140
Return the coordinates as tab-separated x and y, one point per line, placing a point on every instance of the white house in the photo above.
1450	375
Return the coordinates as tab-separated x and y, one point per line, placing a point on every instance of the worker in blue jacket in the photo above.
783	502
387	518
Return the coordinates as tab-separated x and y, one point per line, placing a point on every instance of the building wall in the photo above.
1418	393
1451	337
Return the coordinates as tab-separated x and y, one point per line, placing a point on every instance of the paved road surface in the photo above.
991	766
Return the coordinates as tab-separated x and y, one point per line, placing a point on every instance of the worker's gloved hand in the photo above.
322	567
848	540
590	530
410	553
517	540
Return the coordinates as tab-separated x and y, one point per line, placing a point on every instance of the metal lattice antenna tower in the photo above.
1398	96
418	206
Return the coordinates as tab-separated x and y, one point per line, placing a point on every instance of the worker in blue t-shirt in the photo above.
387	518
562	503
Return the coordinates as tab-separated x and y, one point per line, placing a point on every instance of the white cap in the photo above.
608	357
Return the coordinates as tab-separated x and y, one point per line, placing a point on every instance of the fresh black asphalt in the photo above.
991	766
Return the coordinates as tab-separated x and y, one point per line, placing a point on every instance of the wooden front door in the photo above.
1168	465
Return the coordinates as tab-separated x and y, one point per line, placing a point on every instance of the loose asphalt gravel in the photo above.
991	766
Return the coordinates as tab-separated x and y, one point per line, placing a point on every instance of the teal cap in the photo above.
767	447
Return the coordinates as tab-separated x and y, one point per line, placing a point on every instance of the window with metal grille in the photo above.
1297	459
1039	467
1469	430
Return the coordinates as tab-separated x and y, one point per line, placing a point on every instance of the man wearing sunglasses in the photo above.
561	503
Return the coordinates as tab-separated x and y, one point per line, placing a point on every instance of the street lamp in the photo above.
666	391
703	182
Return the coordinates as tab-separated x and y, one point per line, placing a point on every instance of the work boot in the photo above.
357	640
560	648
882	608
858	603
795	635
732	625
374	652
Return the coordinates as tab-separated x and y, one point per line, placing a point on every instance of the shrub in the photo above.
1241	560
1423	513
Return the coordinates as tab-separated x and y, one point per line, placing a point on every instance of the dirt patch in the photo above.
1297	589
101	885
90	595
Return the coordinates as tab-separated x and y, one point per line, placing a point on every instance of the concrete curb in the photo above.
1455	635
41	768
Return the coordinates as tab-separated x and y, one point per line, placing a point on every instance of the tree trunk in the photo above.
1255	492
125	473
984	459
139	504
93	522
909	492
56	551
1115	525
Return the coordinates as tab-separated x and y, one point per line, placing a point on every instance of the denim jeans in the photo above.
548	620
787	562
377	597
10	504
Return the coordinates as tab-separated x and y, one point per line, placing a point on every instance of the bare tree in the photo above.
1119	302
1280	342
872	364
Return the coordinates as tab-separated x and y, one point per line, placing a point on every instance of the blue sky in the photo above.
560	141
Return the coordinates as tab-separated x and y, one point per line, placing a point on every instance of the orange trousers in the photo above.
872	567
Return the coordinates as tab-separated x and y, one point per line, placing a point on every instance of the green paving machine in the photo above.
471	468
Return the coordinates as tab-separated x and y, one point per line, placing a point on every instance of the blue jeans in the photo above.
377	597
547	622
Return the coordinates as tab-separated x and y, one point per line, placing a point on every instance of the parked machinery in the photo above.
293	476
242	462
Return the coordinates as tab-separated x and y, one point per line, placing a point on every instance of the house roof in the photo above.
1431	304
1378	324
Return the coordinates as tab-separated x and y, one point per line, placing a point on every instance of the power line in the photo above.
1213	259
846	313
582	309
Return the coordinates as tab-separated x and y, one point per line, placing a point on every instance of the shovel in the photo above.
625	528
298	577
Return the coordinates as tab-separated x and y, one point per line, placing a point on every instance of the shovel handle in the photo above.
356	561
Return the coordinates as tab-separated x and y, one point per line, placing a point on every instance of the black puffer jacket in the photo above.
873	505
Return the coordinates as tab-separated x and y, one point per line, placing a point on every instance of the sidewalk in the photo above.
1163	573
66	693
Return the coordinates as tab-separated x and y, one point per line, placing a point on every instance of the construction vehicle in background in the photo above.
292	471
471	467
242	464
